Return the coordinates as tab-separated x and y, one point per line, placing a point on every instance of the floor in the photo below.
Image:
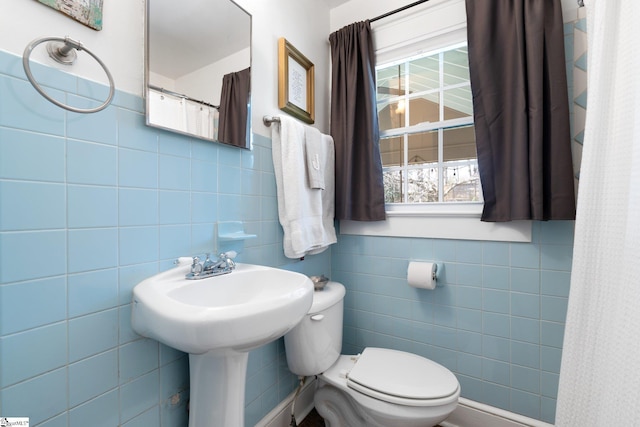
312	420
315	420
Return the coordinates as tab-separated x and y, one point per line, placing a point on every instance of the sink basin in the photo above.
241	310
217	320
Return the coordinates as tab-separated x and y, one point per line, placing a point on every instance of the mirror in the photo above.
197	69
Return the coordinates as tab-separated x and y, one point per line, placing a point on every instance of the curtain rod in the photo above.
182	95
393	12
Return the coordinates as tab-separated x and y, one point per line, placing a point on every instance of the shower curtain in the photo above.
600	373
201	119
181	114
167	111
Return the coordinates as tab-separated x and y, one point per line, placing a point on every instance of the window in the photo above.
427	143
427	135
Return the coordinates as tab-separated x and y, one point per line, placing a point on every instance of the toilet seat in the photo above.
402	378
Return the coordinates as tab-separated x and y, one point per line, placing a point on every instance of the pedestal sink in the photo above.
217	321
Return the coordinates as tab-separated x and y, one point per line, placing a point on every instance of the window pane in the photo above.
424	74
392	186
459	143
458	103
462	183
423	147
391	115
390	82
391	151
423	185
424	109
433	166
456	66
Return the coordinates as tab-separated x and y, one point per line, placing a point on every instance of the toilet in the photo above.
379	387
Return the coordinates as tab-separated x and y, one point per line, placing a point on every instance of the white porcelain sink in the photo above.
217	320
241	310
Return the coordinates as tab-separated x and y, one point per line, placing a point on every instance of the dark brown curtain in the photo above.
521	111
234	100
354	125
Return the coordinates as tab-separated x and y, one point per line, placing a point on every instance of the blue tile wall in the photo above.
496	318
89	206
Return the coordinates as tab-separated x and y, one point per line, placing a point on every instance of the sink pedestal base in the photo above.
217	388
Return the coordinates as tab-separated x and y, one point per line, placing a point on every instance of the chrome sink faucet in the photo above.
208	268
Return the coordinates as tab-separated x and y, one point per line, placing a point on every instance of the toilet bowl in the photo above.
379	387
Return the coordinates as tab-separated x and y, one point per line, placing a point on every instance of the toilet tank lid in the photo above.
402	375
331	294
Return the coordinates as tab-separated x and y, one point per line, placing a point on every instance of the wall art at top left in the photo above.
88	12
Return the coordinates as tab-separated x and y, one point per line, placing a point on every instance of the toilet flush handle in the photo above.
317	317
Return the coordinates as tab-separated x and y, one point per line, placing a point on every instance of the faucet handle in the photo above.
227	258
196	267
229	255
207	263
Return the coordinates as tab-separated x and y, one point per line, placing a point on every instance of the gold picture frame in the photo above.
295	82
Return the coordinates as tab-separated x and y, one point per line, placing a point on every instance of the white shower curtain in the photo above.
600	373
181	114
201	120
167	111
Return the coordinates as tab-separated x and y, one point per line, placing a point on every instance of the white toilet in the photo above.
379	387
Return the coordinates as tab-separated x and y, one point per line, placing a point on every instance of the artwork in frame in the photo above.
88	12
295	82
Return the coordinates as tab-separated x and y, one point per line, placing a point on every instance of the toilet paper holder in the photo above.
435	274
424	274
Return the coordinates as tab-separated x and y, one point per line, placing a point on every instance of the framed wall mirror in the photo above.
198	69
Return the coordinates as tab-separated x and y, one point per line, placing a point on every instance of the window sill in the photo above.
445	221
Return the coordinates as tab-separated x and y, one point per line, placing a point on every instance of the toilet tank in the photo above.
315	343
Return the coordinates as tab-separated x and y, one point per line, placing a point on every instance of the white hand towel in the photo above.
328	195
300	209
315	156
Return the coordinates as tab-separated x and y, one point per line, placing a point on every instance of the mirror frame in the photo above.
147	83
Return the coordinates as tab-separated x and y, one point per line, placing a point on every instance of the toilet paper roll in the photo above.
422	275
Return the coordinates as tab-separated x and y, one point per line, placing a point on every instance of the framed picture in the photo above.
88	12
295	82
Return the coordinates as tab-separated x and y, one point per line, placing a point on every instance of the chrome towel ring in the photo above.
63	50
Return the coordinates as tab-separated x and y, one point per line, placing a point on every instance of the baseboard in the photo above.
469	413
280	416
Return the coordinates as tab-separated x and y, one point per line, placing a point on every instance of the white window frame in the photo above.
398	39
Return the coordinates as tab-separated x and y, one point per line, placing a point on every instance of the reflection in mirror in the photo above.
198	62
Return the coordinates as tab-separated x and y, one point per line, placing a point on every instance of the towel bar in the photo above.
267	120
